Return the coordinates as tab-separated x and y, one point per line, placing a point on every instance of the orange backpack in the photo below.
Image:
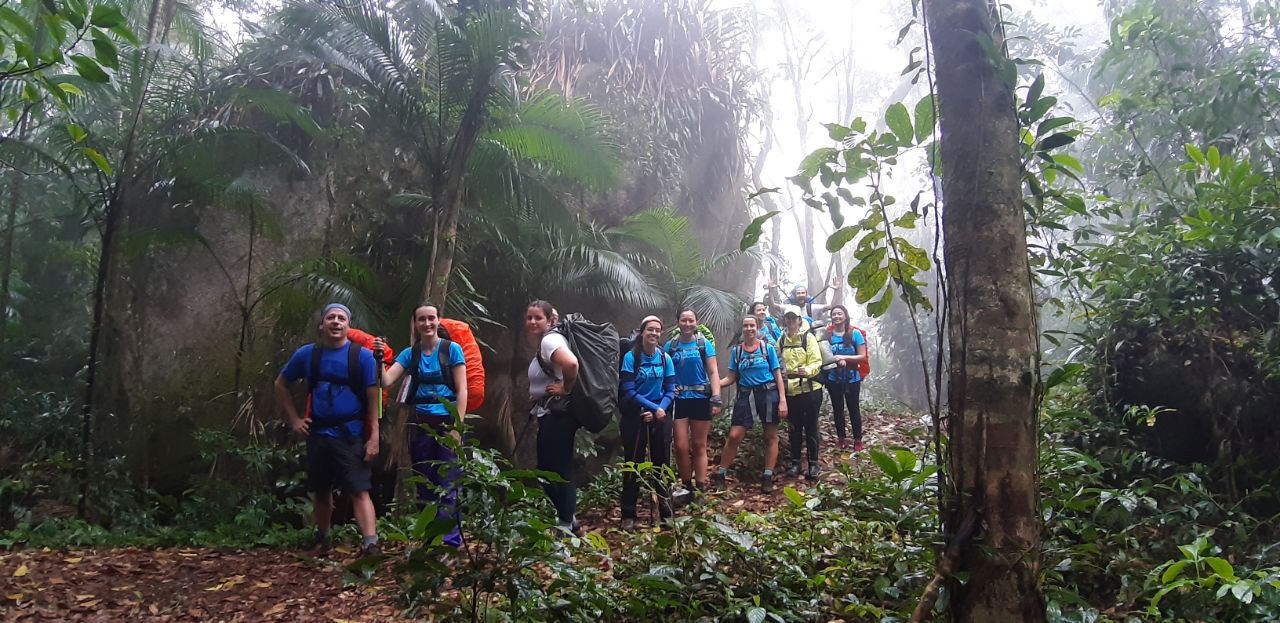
864	367
460	332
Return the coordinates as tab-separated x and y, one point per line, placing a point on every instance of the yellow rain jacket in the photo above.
800	351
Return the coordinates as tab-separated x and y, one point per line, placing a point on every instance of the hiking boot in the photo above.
681	497
766	485
319	547
813	472
794	471
857	445
370	550
844	444
718	481
572	527
628	524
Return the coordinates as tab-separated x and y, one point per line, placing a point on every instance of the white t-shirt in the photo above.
538	378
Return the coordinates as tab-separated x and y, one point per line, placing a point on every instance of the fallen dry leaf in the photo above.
276	609
73	560
22	570
14	597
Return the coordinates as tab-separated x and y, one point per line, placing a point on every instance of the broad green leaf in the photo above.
77	133
794	496
89	68
836	131
1221	567
1052	123
97	159
924	119
1068	161
907	221
1172	572
1054	141
104	50
756	615
105	16
1195	154
1213	158
67	87
809	166
841	237
914	255
878	308
872	285
899	120
886	464
751	235
19	23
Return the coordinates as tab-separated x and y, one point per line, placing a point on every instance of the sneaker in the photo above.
844	444
628	524
718	480
681	497
370	550
813	472
766	485
794	471
857	445
572	527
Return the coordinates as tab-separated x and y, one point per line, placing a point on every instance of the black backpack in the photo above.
594	399
804	344
353	363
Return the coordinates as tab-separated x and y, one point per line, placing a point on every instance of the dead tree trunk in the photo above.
992	420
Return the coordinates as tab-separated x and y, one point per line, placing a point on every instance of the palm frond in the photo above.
671	237
607	274
716	308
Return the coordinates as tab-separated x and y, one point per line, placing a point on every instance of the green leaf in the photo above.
794	496
105	51
1068	161
1195	154
885	463
1061	139
67	87
19	23
97	159
836	131
809	166
841	237
762	191
878	308
872	285
914	255
907	221
1214	158
924	118
751	235
899	120
77	133
756	615
1053	123
106	16
1034	91
89	68
1172	572
1221	567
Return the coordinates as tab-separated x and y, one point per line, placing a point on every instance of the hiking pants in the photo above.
638	437
803	417
846	393
437	463
556	431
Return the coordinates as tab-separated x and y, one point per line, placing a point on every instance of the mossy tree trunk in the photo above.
992	335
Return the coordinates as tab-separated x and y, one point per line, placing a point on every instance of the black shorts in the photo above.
755	402
696	409
337	463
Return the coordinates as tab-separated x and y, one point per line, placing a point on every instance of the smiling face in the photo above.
760	311
749	328
800	294
536	321
688	322
651	334
838	317
334	325
426	321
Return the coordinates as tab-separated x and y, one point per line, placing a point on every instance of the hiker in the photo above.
768	329
801	362
648	386
800	298
342	427
697	400
844	382
552	374
431	418
753	365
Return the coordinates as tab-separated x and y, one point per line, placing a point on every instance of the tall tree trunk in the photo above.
10	224
992	336
799	58
450	199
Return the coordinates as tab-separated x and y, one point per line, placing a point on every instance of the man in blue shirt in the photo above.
342	426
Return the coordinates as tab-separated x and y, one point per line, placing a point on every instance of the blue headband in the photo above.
332	306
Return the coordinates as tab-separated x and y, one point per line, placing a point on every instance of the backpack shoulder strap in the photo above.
415	364
446	367
702	346
353	372
313	369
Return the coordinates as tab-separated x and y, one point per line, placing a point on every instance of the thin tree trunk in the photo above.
10	224
992	335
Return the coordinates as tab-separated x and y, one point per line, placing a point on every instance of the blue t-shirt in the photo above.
332	399
756	367
770	332
431	387
846	344
690	368
650	377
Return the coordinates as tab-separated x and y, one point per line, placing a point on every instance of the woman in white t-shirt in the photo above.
552	373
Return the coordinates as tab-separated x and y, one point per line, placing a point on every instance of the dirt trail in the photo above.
199	584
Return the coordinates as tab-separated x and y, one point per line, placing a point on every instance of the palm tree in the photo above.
671	255
445	75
